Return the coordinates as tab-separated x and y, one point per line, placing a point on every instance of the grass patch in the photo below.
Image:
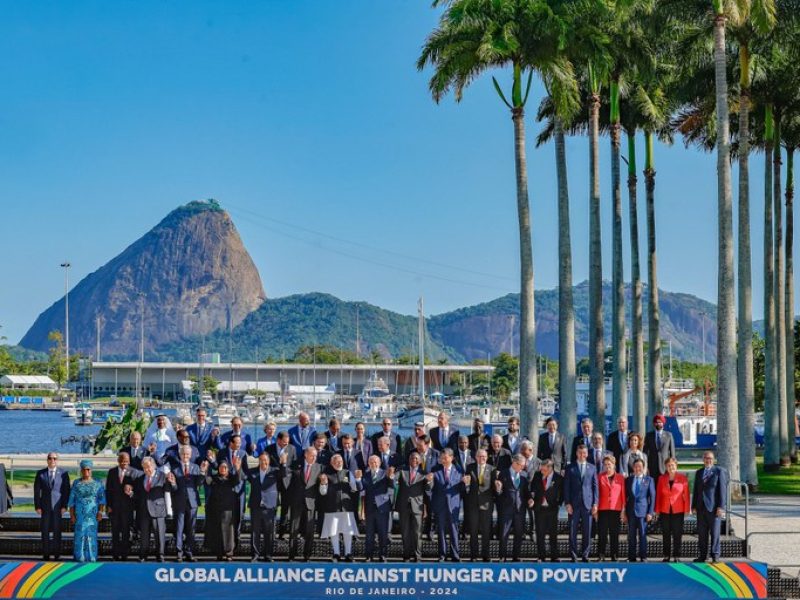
25	477
786	481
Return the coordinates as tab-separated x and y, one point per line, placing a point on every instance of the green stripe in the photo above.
51	577
68	578
701	578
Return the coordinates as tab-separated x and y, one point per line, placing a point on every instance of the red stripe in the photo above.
755	579
13	579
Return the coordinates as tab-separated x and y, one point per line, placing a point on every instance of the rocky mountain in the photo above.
281	325
191	272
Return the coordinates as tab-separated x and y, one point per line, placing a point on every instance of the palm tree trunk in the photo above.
619	398
637	348
747	449
772	430
566	312
727	404
597	392
780	317
789	303
654	402
528	401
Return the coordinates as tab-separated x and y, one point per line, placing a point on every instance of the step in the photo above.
30	544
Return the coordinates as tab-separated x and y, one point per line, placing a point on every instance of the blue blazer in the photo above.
266	494
294	438
187	487
263	443
173	459
200	439
446	496
225	438
378	493
641	504
581	493
452	438
711	494
55	498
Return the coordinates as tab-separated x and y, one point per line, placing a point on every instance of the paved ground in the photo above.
771	515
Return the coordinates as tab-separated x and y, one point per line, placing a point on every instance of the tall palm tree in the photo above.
727	403
474	36
791	138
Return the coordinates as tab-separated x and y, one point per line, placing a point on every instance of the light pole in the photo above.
66	265
703	317
139	386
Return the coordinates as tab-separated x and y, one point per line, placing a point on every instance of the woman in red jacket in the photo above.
672	503
611	486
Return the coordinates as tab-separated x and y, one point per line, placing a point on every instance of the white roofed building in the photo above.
25	382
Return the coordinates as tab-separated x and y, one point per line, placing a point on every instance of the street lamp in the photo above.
66	265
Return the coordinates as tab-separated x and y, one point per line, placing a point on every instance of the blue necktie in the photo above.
636	487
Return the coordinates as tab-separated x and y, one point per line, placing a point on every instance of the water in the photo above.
39	431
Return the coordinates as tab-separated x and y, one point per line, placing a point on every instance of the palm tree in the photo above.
791	136
474	36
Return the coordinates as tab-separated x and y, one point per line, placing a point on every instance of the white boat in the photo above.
68	409
224	413
411	414
83	414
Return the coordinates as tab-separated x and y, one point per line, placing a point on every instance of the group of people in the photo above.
329	483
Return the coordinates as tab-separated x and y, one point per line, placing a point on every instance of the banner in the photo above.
510	581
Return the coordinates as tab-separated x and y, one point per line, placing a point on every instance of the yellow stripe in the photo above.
34	579
742	590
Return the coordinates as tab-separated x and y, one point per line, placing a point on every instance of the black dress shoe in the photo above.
666	559
190	558
713	559
631	560
45	557
179	559
348	558
699	560
601	558
586	560
160	559
613	558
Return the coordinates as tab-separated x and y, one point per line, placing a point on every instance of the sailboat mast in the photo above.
421	333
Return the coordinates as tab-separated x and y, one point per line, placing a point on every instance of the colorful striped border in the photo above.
40	579
728	580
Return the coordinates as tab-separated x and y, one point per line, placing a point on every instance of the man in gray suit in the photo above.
150	487
412	490
50	497
479	505
659	445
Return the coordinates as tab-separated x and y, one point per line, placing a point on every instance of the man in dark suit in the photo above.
530	468
412	488
50	497
640	509
303	491
302	435
333	436
230	454
709	497
378	487
547	490
448	487
429	460
276	451
120	506
597	451
412	442
149	490
383	451
247	443
478	439
324	453
479	504
512	440
580	497
464	457
513	492
135	450
659	445
351	459
171	455
186	499
585	438
617	442
386	431
553	445
443	436
200	432
499	457
265	482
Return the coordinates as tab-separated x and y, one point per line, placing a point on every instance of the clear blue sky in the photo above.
311	113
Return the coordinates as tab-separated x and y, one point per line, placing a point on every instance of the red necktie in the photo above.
412	476
148	484
308	472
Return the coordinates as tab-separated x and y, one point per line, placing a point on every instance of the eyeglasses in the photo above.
52	458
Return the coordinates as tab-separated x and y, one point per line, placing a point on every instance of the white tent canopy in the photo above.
39	382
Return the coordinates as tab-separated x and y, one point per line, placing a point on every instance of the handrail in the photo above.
771	564
728	511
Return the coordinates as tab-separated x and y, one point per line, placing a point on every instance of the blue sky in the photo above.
301	118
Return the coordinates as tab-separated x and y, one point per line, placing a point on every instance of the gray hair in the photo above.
586	420
185	450
527	444
547	462
148	460
519	459
449	452
497	436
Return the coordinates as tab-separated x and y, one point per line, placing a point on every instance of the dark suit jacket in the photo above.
452	438
710	494
446	495
476	442
643	503
507	446
501	460
136	456
554	494
173	459
198	439
265	494
580	491
6	496
395	445
558	453
339	495
116	498
480	496
324	457
151	503
394	460
296	441
616	447
331	447
656	456
513	499
577	441
459	462
590	459
302	493
225	439
274	458
430	460
410	496
186	493
355	462
378	493
366	449
47	498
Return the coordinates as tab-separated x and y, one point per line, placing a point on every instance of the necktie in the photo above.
636	485
386	460
597	457
308	472
186	470
516	480
347	458
623	438
658	440
149	484
463	458
706	474
447	475
374	476
480	476
121	475
586	441
52	479
552	440
413	475
263	474
582	466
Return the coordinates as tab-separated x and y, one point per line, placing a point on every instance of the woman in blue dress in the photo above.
86	502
